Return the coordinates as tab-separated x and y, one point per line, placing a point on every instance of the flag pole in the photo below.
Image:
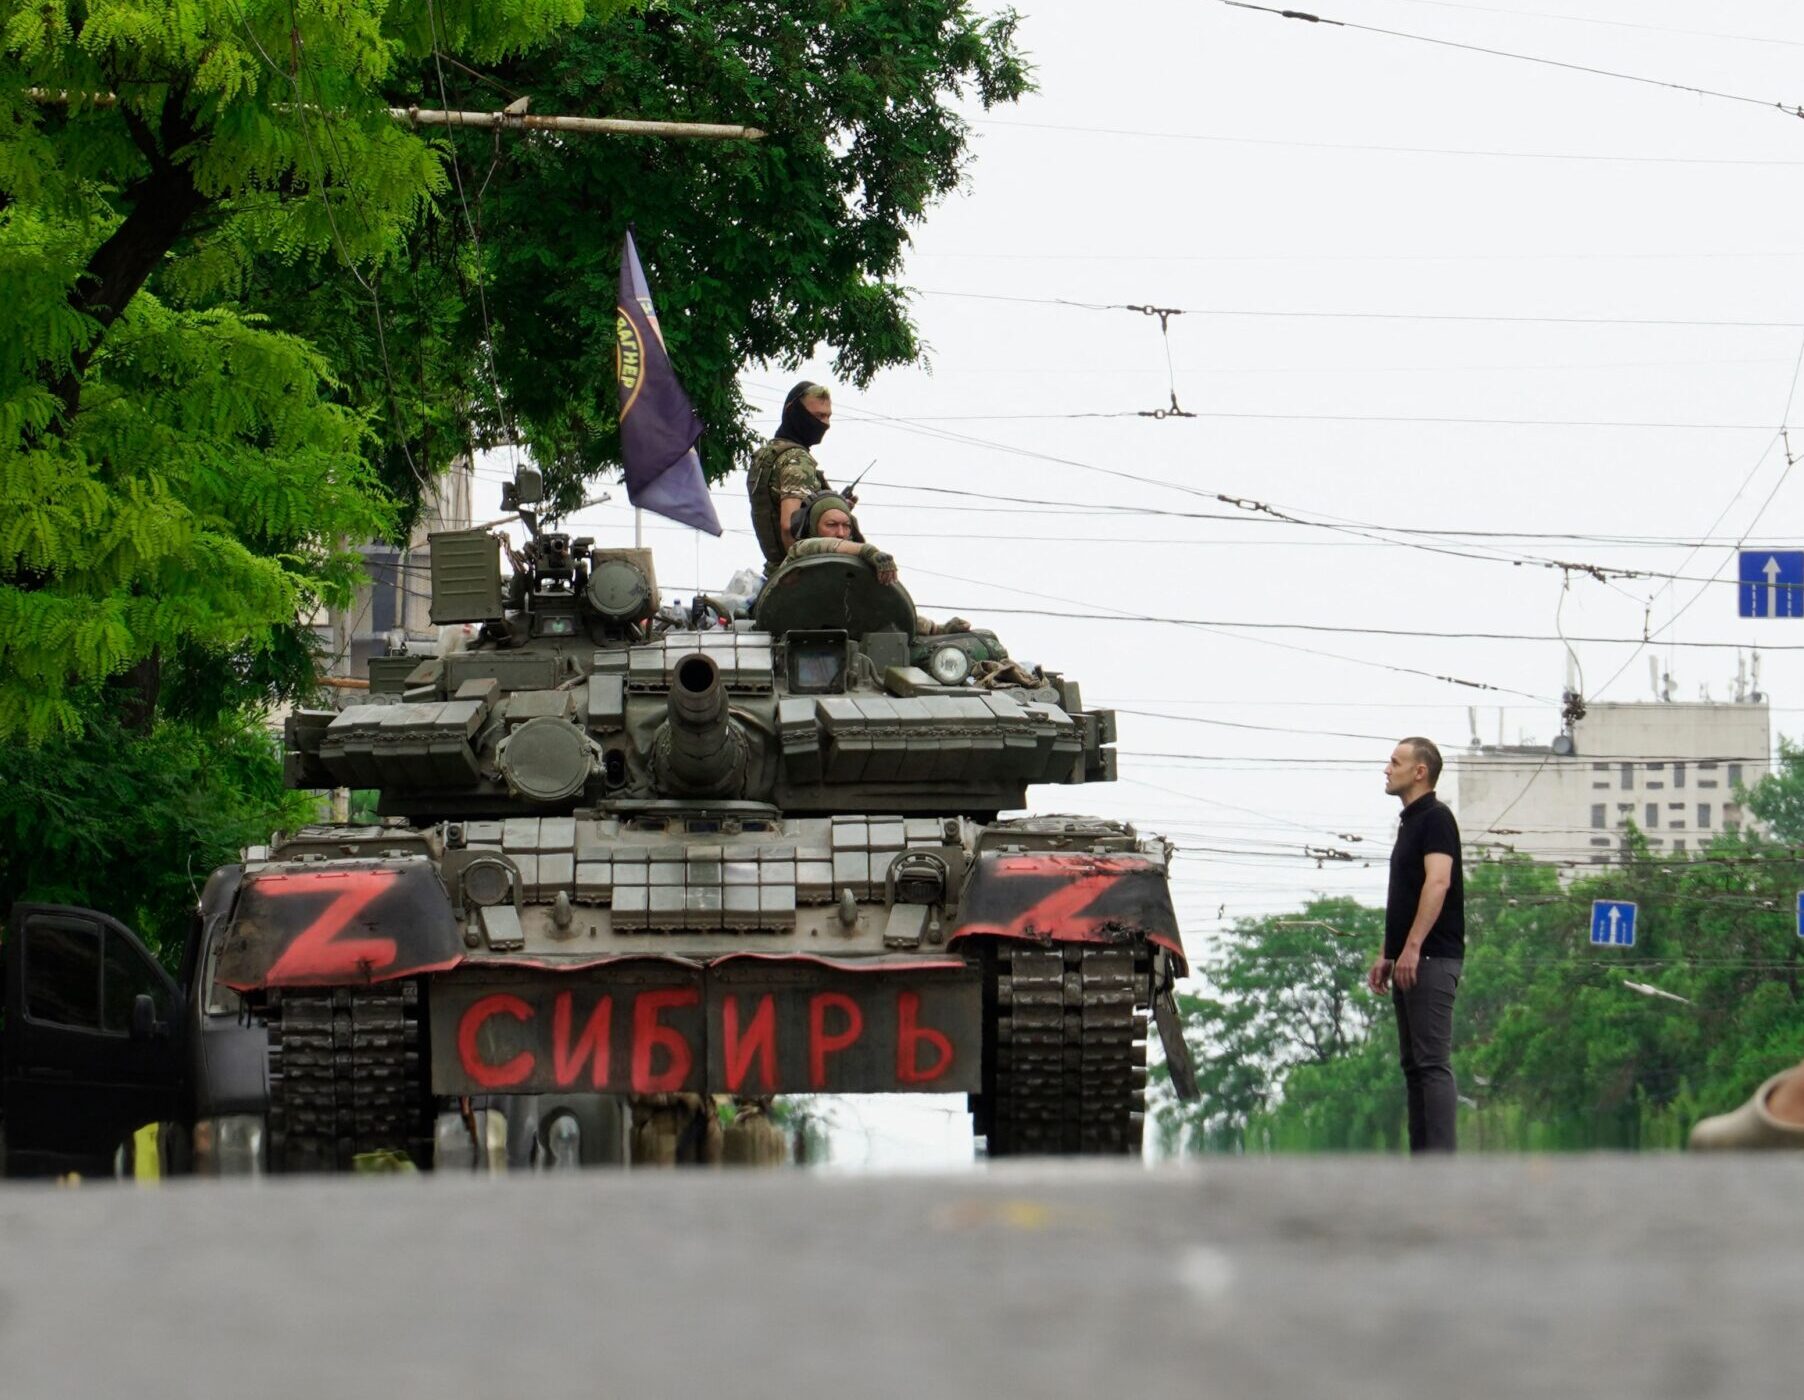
638	528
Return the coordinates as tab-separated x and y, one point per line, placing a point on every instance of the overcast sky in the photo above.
1421	290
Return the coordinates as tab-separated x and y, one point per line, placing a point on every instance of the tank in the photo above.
635	853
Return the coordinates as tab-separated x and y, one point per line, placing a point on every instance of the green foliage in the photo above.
756	251
178	479
134	823
1552	1048
199	501
1778	799
1283	992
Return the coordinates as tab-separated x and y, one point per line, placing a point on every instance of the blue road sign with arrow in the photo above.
1801	913
1772	583
1613	922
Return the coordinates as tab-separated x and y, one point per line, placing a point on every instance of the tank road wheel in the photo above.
347	1075
1064	1048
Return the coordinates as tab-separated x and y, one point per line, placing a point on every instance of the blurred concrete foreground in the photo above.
1594	1276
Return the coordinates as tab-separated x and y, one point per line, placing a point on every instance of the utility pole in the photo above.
514	117
596	126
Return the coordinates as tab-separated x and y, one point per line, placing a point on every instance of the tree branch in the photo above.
162	205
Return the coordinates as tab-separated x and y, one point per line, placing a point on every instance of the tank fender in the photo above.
339	923
1069	897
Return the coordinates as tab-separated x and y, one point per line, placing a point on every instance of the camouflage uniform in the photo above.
780	468
804	549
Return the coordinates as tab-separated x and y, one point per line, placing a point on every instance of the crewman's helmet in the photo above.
814	510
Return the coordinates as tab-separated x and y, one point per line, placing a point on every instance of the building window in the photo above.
1653	815
1678	775
1656	767
1678	845
1676	807
1600	840
1602	783
1707	782
1734	775
1652	786
1600	768
1707	767
1597	815
1627	776
1704	815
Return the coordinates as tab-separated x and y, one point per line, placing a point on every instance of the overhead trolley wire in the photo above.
1450	531
1351	146
1344	629
1285	646
1249	505
1349	418
1610	23
1720	324
1792	111
1779	438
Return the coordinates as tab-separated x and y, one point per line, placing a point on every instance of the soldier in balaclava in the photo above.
784	473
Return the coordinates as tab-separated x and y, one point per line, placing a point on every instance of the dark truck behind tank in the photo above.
104	1057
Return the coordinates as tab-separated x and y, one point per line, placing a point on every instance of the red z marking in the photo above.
313	956
567	1059
649	1036
1061	908
909	1034
820	1044
488	1075
760	1039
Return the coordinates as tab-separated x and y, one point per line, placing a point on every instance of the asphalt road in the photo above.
1582	1276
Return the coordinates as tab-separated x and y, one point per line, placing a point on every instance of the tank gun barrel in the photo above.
700	751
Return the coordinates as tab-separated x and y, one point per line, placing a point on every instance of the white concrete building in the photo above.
1670	767
396	600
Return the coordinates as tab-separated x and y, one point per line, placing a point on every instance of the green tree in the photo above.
1557	1044
757	251
134	823
1281	992
171	478
1778	798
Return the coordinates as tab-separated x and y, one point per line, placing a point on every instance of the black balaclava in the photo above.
799	425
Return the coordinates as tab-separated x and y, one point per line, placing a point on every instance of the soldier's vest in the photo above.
761	480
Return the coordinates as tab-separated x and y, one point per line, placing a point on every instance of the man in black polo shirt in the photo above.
1424	942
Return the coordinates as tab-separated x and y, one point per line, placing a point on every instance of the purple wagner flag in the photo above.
658	426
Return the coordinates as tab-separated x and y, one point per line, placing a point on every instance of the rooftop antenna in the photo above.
1653	673
1754	694
1472	724
1741	679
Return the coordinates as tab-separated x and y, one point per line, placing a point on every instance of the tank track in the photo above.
1065	1049
346	1076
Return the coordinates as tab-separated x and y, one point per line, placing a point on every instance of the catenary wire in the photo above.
1352	146
1715	93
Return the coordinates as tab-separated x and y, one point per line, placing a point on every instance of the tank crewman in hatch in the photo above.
783	473
828	526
